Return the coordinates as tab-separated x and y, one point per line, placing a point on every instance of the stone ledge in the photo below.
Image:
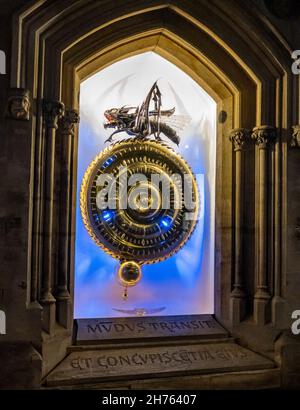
90	331
143	362
243	380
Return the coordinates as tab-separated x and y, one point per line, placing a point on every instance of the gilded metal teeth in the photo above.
138	234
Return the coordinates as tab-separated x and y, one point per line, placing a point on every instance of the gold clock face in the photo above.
139	201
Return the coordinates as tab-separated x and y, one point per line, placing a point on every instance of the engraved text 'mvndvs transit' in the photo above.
93	330
142	326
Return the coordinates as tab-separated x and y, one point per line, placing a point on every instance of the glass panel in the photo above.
183	284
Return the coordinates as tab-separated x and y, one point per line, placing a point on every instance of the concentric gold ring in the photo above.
143	234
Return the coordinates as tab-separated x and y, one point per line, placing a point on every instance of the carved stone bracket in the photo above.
295	143
18	104
68	122
239	138
264	136
53	111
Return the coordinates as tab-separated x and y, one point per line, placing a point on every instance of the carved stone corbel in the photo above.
18	104
69	121
264	137
295	143
239	137
53	112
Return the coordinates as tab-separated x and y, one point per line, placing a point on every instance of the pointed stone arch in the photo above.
240	60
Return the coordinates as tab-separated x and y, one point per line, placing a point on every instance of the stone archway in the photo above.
211	44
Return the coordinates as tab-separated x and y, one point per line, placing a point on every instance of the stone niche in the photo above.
183	283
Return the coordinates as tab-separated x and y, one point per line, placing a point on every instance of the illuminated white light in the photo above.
184	283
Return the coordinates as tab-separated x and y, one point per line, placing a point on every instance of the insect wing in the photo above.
178	122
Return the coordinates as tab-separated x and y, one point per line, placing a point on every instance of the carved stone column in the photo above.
62	294
264	136
278	301
295	143
53	110
239	138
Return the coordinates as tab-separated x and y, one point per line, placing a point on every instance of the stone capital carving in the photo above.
264	136
18	104
68	122
53	111
239	137
296	136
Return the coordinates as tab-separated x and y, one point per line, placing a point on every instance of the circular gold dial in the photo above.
133	200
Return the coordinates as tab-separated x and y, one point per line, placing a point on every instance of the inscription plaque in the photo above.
94	330
139	362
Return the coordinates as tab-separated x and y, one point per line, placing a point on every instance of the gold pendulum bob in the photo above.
129	274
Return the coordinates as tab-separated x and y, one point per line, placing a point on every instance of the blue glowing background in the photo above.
183	284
